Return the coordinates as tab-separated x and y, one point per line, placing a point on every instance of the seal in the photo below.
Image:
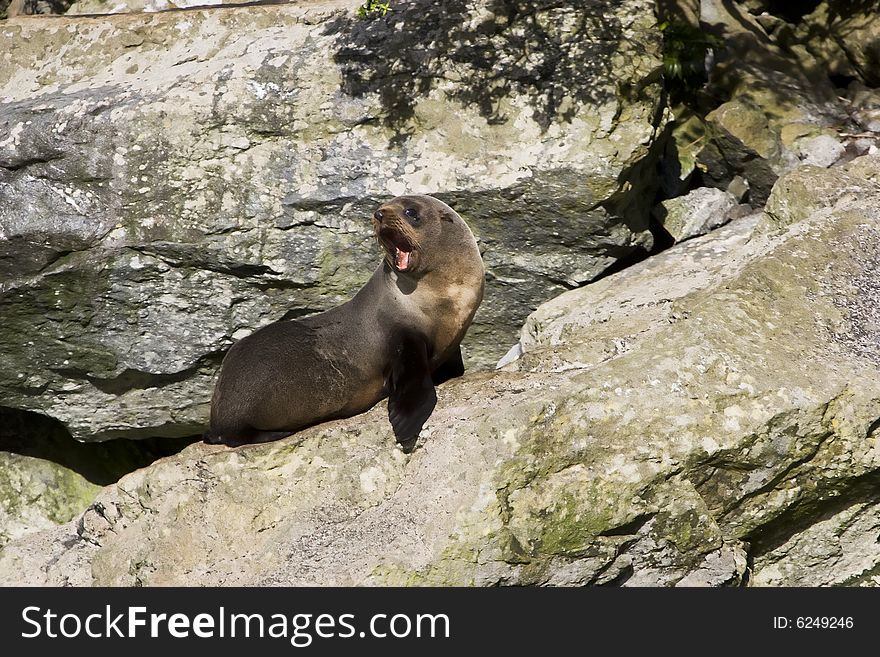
397	337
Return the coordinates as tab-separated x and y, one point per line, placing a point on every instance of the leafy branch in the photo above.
373	8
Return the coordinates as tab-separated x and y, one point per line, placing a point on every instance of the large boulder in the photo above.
709	416
170	182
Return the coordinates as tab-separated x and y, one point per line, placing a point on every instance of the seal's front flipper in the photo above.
412	397
453	367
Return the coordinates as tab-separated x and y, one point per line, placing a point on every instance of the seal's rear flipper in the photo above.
453	367
412	397
212	438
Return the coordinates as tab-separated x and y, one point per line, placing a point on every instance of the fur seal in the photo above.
396	338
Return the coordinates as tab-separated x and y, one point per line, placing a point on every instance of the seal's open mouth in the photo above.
398	247
401	259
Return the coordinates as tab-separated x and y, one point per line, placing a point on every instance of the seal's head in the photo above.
415	232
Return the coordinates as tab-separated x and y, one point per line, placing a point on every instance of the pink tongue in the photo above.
402	259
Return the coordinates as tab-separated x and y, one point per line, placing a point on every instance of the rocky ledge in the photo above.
709	416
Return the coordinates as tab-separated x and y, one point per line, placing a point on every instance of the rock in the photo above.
742	135
631	304
696	213
864	168
135	6
47	478
77	7
36	494
176	180
865	107
768	107
739	187
28	7
837	550
822	150
846	36
814	31
808	189
708	416
686	10
745	142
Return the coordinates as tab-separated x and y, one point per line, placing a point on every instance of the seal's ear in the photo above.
445	216
412	396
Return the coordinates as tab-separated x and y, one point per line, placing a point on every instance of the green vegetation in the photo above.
373	8
684	54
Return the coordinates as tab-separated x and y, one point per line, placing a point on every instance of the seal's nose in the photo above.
378	215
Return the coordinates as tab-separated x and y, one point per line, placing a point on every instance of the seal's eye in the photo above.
411	213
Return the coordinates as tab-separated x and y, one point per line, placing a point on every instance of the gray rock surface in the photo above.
697	212
707	417
176	180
